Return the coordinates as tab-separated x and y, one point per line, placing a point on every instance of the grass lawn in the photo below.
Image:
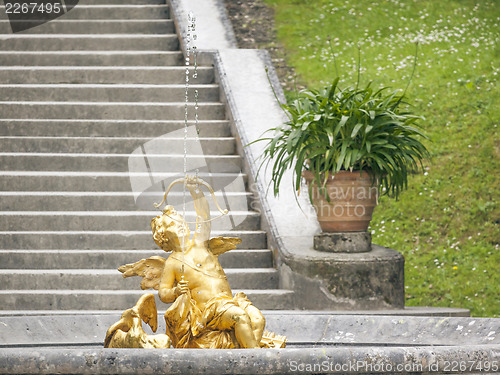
446	223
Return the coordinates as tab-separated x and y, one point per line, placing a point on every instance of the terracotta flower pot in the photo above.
352	200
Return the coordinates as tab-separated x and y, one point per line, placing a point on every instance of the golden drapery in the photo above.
189	327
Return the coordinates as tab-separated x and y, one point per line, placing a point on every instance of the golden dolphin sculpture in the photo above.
128	332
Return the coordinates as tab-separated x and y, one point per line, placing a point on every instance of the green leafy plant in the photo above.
352	128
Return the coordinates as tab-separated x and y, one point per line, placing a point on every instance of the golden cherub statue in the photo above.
204	313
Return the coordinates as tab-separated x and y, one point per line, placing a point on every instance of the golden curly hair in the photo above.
169	229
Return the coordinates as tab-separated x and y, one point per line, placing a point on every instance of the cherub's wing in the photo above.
149	269
219	245
146	307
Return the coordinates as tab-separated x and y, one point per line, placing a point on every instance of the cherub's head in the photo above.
170	231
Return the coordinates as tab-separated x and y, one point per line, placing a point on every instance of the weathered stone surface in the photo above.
345	242
301	328
317	343
345	281
341	360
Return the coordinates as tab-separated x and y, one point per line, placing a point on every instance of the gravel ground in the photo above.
253	24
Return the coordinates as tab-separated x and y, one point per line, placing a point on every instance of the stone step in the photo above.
110	128
90	240
100	11
172	75
108	93
112	259
110	201
110	111
114	220
68	88
113	162
92	26
113	12
123	146
102	279
103	181
88	42
270	299
90	58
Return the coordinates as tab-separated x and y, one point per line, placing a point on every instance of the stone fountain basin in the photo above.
317	343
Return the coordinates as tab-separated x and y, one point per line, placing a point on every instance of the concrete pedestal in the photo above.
371	280
343	242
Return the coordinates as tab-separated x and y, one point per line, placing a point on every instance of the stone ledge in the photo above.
361	344
425	311
327	360
212	26
300	327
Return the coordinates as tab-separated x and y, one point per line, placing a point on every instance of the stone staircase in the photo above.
82	99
